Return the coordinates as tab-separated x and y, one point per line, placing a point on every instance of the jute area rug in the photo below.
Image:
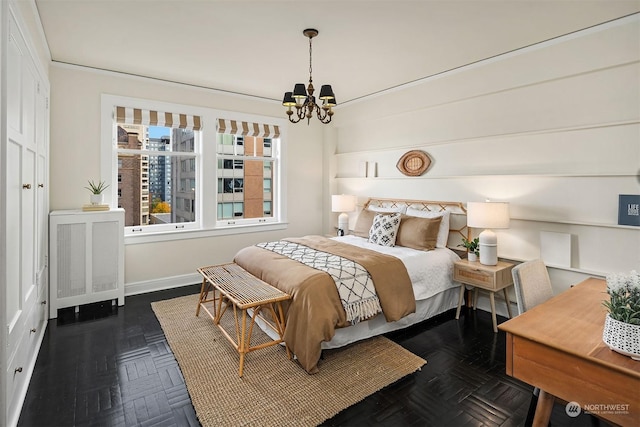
274	391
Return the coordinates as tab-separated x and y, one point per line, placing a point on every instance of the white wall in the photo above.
75	157
33	31
553	129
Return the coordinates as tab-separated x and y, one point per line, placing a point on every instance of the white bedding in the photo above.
431	274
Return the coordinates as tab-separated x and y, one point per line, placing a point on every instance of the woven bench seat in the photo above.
229	285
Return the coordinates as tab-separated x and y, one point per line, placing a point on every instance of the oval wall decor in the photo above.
414	163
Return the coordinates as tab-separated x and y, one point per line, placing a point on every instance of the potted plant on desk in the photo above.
473	248
622	324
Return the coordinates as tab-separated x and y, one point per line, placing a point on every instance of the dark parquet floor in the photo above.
113	367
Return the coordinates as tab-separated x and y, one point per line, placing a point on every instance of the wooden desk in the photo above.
557	346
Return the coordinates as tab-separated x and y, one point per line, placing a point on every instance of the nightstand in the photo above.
491	278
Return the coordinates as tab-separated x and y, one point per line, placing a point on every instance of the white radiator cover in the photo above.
86	258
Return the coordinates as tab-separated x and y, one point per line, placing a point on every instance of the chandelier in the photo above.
302	98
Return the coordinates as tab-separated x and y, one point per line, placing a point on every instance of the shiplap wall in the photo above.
554	129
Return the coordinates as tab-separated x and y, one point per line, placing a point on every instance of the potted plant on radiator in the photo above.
96	190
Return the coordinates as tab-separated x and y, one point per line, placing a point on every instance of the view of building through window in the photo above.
245	177
156	174
157	177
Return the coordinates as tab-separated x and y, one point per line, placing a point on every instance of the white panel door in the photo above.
14	242
42	199
24	178
15	59
30	89
27	213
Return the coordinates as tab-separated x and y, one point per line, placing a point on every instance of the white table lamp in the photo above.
343	203
488	215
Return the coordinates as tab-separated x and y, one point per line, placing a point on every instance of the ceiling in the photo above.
257	47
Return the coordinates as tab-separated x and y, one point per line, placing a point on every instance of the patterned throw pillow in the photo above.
385	229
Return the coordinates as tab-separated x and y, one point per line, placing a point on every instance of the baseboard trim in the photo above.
143	287
501	308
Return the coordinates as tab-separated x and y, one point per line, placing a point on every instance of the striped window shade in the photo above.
137	116
258	130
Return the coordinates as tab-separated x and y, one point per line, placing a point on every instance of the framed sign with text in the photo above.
629	209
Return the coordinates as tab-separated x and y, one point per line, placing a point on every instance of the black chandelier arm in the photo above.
324	115
291	115
300	113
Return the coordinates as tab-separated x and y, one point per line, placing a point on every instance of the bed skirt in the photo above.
425	309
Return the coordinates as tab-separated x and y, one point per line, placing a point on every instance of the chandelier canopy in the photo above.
302	98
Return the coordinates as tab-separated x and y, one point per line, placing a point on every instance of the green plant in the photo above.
624	293
472	246
97	188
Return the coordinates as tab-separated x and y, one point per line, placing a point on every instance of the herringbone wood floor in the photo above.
100	368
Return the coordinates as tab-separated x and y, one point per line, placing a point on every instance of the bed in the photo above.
412	280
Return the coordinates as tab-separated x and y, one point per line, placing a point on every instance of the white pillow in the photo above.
443	231
385	229
400	209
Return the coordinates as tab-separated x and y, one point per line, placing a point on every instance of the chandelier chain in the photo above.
310	49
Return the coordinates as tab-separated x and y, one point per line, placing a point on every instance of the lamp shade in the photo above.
288	100
299	91
488	214
343	203
326	92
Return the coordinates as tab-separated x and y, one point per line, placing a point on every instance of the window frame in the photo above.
206	172
186	158
235	160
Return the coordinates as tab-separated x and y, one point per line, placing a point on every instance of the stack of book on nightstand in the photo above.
93	208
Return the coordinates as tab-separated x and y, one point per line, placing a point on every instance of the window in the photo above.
246	178
190	170
149	151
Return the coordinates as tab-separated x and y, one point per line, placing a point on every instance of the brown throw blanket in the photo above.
316	311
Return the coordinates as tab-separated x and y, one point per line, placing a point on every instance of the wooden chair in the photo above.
533	286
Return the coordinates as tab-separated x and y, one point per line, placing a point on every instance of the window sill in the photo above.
167	236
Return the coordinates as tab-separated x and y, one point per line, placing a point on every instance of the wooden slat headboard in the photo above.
457	222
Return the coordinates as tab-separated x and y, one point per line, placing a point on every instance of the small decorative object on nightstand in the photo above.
343	203
472	248
490	278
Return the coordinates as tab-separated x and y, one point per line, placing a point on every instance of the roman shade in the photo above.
258	130
138	116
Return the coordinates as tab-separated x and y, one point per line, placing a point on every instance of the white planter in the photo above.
96	199
622	337
472	257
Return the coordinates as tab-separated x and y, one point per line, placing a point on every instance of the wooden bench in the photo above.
232	286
